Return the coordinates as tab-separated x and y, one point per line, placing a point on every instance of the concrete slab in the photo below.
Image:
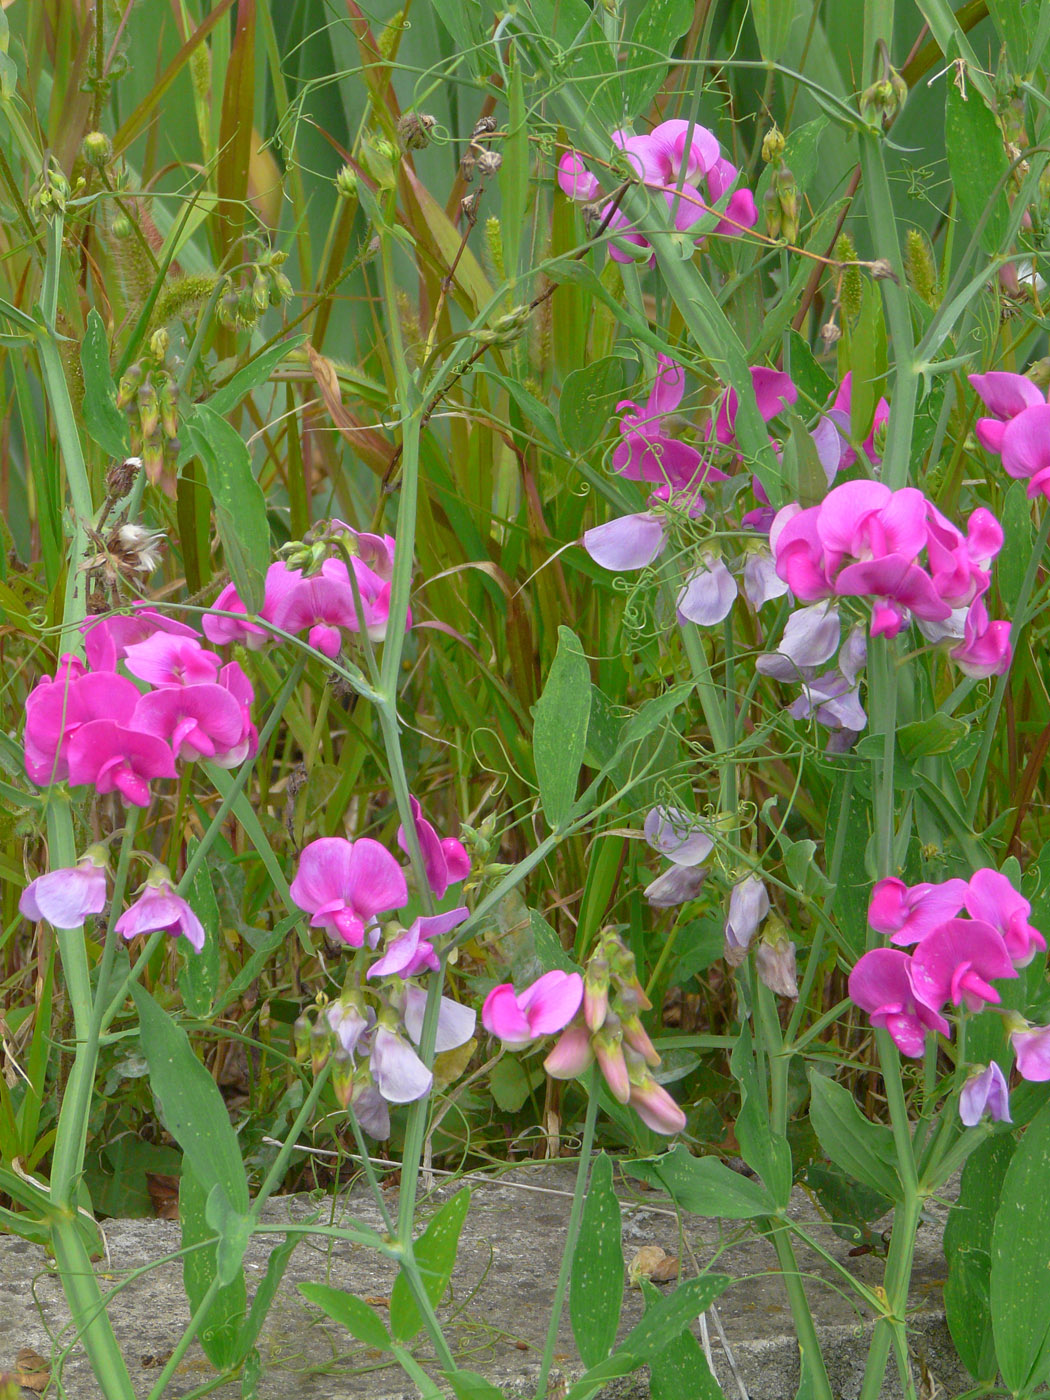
499	1305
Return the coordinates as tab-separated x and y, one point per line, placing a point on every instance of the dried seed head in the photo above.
413	130
121	477
488	163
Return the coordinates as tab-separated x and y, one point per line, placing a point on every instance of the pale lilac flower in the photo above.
66	897
708	593
412	950
678	835
400	1075
1032	1047
628	542
455	1022
677	885
986	1091
775	965
445	860
811	635
160	909
761	580
348	1022
543	1008
881	985
344	884
748	907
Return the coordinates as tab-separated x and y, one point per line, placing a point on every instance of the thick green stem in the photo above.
586	1146
87	1308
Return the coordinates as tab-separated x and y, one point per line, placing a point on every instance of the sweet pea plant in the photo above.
302	755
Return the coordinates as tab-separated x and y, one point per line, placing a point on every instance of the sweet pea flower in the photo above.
708	593
986	649
956	962
1018	430
106	639
160	909
345	884
908	914
839	414
676	885
349	1020
66	897
543	1008
113	757
991	897
198	721
986	1091
1007	396
645	452
445	860
678	835
1031	1045
455	1022
163	659
748	906
412	950
629	542
56	709
399	1074
881	985
280	579
650	1100
761	581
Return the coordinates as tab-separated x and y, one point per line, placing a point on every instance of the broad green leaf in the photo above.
435	1255
867	356
680	1368
938	734
559	734
863	1149
199	974
468	1385
254	373
1018	537
226	1312
102	418
463	20
509	1084
350	1312
234	1230
240	506
1013	20
765	1151
850	1206
611	1369
1018	1289
772	25
654	37
192	1107
604	725
547	945
596	1282
704	1185
967	1251
666	1319
977	163
530	407
265	1293
588	399
815	386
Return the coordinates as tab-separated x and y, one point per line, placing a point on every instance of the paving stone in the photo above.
500	1298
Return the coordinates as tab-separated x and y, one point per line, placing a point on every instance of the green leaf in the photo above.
350	1312
596	1282
1020	1297
234	1230
938	734
1014	29
102	418
680	1369
1018	539
666	1319
199	974
772	25
967	1250
977	163
815	386
588	397
611	1369
468	1385
530	407
849	1205
254	373
865	1150
509	1084
190	1103
547	945
225	1315
240	507
654	37
559	734
435	1255
867	359
765	1151
704	1185
265	1294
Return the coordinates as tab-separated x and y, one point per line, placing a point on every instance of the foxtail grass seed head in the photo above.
851	286
920	268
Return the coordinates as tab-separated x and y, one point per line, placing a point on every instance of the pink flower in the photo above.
909	914
446	861
160	909
106	639
1007	396
117	758
986	649
991	898
198	721
344	884
219	630
543	1008
840	412
881	985
56	709
412	951
956	962
66	897
1032	1047
651	1101
645	451
985	1091
165	660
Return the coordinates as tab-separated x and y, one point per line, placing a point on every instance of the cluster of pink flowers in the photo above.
865	541
955	961
685	163
94	726
322	604
1019	428
66	897
597	1016
345	886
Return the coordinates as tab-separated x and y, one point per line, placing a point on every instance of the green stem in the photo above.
810	1358
275	1175
586	1147
87	1308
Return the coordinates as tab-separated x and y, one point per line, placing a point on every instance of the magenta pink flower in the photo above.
160	909
881	985
116	758
345	884
985	649
774	391
1018	431
957	961
198	721
645	451
651	1101
56	709
840	414
322	604
1007	396
219	630
991	897
166	660
445	860
908	914
106	639
544	1007
66	897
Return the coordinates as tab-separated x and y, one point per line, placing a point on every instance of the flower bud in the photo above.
301	1038
596	992
320	1043
346	182
97	149
343	1077
773	144
608	1049
149	409
121	477
129	383
775	961
158	344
